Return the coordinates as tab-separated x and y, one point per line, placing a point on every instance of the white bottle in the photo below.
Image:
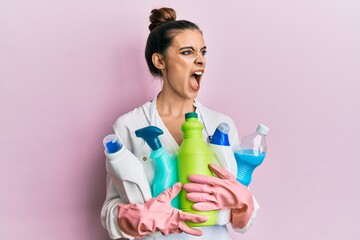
220	145
126	172
224	158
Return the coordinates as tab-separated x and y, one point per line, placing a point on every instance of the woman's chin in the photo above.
193	94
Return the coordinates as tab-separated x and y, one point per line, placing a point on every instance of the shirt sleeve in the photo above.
251	220
109	212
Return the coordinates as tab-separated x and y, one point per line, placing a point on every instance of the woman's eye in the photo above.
186	52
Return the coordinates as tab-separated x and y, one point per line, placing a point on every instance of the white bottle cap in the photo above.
264	130
224	127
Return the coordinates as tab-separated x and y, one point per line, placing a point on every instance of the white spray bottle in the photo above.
126	171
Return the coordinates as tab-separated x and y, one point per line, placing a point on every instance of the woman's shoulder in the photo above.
137	116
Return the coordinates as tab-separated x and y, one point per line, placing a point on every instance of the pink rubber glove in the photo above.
225	192
157	214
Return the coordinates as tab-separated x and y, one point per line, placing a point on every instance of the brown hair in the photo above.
163	23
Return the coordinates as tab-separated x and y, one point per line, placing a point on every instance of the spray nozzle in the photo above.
150	135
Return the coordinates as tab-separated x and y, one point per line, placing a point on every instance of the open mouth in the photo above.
195	80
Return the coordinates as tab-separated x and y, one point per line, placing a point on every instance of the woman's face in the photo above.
184	64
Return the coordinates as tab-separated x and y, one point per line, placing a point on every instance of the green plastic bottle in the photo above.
194	157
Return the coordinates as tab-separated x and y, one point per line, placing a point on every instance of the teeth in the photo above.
198	73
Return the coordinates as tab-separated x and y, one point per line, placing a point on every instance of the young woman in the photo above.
175	52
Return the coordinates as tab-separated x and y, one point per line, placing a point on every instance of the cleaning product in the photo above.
194	157
126	171
223	157
220	145
251	153
165	164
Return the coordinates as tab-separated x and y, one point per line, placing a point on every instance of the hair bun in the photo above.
160	16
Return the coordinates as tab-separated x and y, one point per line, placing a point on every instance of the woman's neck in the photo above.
169	105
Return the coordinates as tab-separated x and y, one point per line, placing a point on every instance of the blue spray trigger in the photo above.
150	135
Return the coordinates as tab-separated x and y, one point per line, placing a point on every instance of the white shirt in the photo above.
146	115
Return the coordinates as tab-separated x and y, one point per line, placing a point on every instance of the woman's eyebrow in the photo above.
189	47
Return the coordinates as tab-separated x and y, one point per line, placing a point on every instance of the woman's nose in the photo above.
200	59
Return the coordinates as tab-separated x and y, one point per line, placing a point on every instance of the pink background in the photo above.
69	68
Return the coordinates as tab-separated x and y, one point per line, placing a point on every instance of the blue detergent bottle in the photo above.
251	153
165	164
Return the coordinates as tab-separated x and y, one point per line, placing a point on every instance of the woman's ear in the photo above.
158	61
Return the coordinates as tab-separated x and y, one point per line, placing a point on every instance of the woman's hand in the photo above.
225	192
157	214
